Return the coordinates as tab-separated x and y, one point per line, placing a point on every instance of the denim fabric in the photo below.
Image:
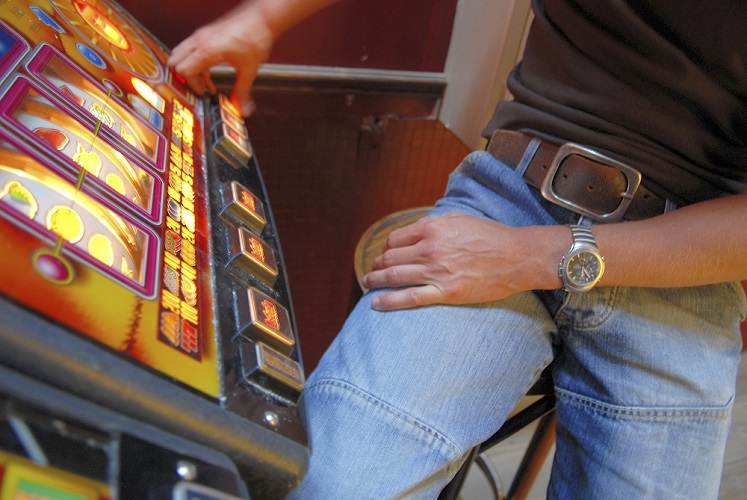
644	378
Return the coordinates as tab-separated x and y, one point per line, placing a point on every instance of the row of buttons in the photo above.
263	324
230	139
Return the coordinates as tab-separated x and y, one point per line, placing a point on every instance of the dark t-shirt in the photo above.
661	84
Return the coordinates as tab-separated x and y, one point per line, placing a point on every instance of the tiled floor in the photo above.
507	455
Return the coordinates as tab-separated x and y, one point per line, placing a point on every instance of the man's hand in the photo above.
241	40
463	259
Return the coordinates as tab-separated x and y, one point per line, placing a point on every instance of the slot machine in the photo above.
148	346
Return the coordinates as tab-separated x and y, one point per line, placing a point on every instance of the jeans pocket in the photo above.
610	451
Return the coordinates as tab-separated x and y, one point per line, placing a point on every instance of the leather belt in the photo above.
578	178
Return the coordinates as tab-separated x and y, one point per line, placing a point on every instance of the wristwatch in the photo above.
583	265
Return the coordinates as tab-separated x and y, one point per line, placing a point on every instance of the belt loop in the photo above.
584	221
529	153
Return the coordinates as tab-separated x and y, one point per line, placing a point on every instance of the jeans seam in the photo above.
645	413
392	410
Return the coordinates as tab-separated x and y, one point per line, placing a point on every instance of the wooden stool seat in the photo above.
372	241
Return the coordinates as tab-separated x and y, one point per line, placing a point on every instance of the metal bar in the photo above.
316	79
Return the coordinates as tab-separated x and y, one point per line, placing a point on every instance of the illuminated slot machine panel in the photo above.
141	276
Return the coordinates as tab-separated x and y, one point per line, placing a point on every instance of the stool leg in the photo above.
539	447
451	491
491	475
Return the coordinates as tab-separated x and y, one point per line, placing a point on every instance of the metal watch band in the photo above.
583	234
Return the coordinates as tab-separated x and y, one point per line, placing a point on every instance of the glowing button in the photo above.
272	370
243	205
262	318
255	256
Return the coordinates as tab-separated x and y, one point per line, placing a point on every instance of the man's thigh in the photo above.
645	384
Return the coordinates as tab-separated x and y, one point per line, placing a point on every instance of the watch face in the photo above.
584	268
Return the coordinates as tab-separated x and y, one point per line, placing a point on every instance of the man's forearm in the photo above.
701	244
280	15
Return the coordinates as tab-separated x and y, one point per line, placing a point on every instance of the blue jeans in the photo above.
644	378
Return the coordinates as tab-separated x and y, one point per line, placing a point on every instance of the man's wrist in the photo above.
548	245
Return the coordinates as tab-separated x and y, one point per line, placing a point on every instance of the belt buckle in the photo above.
632	175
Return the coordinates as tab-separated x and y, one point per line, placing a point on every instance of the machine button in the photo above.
230	146
255	256
232	119
272	370
227	107
230	139
243	205
262	318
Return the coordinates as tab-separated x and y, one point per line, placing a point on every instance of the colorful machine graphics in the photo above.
46	204
77	88
82	147
23	479
101	163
